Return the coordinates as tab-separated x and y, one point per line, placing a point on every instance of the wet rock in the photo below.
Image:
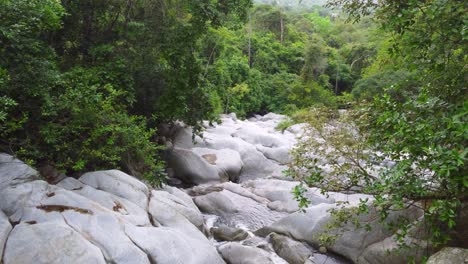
226	233
292	251
201	190
235	209
120	184
49	243
449	255
234	253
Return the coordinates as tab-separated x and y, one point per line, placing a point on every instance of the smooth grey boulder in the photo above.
235	209
378	253
120	184
234	253
255	164
351	243
49	243
5	228
16	199
192	168
183	137
280	154
121	206
182	195
99	225
449	255
227	233
292	251
14	171
170	246
228	162
169	211
255	135
217	203
280	196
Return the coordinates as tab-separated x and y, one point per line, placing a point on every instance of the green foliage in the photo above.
286	58
407	147
90	129
83	83
386	81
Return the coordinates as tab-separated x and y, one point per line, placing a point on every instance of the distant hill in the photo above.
293	3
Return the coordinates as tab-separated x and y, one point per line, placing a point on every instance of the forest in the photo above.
87	85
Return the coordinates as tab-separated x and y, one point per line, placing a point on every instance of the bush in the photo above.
89	129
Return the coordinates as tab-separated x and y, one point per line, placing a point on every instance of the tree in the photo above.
422	131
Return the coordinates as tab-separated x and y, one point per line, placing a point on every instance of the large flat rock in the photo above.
49	243
120	184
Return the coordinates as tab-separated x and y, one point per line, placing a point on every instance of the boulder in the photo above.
14	171
192	168
228	162
280	155
234	253
255	135
165	245
280	196
120	184
351	243
378	253
226	233
292	251
169	211
255	164
17	199
5	228
49	243
183	137
237	210
121	206
217	203
182	195
449	255
97	224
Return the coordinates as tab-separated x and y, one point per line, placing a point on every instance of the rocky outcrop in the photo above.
292	251
103	217
112	217
449	255
354	244
234	150
49	242
234	253
120	184
237	209
14	171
